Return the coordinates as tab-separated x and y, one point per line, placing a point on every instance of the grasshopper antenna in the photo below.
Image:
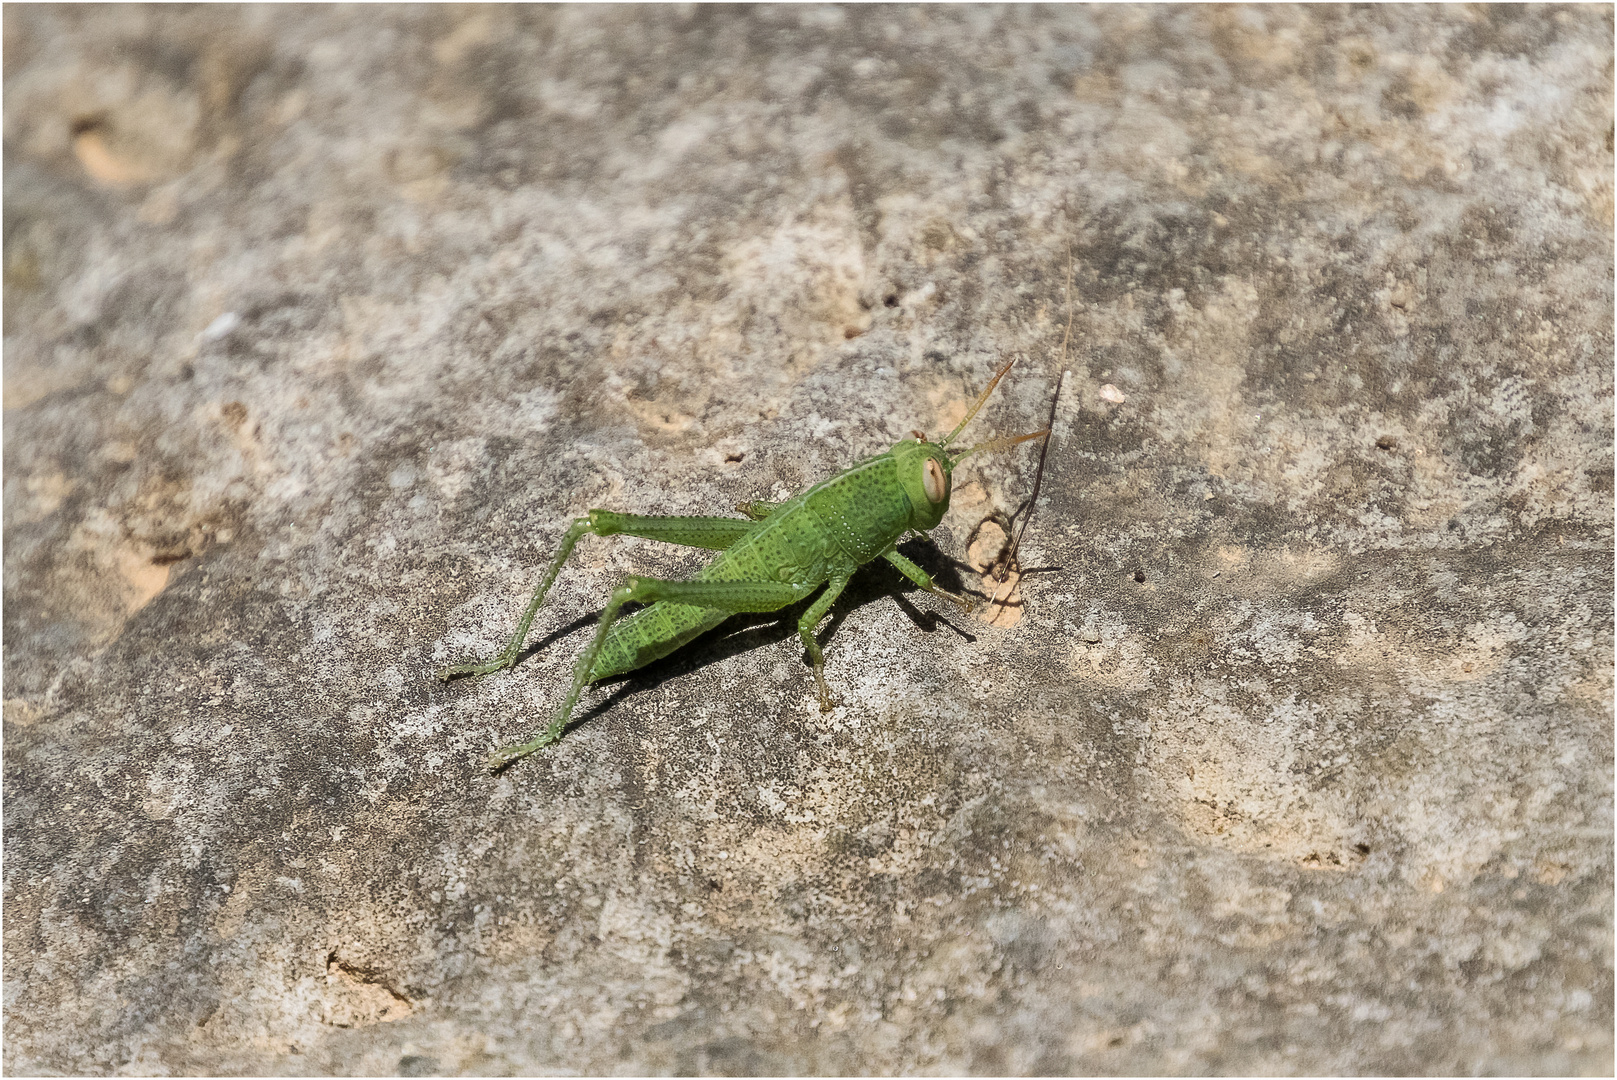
995	444
981	398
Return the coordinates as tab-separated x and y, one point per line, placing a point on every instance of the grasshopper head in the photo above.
924	470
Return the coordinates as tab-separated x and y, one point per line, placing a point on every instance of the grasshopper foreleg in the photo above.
730	596
924	580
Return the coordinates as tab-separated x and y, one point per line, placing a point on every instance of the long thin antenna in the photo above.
981	398
996	444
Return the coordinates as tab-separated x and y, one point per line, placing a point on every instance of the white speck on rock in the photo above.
221	327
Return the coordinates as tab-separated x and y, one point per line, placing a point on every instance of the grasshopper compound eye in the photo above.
934	482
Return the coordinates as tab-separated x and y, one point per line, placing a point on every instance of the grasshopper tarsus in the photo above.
505	757
827	702
501	760
462	670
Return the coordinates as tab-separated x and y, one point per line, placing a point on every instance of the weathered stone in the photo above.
321	322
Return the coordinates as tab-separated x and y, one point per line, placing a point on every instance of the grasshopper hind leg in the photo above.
711	533
726	596
508	655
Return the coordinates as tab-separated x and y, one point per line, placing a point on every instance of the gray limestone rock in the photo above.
1293	755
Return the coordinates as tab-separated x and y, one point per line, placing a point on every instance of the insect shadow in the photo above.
745	633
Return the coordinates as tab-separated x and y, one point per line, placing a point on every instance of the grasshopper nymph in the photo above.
775	556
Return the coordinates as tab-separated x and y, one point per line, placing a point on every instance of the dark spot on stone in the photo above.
734	457
1386	442
1139	576
891	300
1398	100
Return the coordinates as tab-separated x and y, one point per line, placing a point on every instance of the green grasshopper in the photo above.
775	556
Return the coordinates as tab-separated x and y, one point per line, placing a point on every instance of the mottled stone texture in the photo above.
320	323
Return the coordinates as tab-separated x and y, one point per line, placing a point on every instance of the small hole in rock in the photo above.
891	300
1139	575
734	457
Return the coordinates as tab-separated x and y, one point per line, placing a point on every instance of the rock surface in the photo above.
321	322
